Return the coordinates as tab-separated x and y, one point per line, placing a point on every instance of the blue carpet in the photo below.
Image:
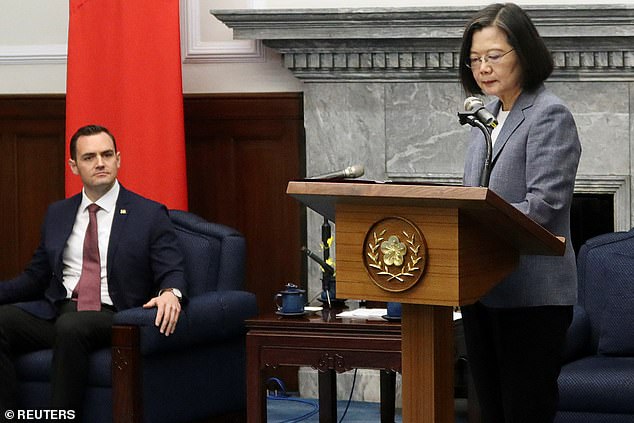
293	409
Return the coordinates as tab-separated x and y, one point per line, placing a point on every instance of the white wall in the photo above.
33	36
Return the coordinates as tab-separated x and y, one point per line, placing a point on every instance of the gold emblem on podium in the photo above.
395	254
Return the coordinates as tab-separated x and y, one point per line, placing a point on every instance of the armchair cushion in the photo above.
578	337
617	326
598	384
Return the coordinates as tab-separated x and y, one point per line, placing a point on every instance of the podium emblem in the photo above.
395	254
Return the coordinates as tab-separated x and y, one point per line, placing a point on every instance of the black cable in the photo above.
354	379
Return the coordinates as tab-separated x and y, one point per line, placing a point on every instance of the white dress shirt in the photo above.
73	252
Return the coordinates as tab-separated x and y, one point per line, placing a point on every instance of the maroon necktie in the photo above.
89	286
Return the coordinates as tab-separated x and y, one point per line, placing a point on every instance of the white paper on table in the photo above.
376	314
364	313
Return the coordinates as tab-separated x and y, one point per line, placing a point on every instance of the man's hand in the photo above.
168	309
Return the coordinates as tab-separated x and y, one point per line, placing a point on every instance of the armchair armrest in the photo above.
578	336
208	318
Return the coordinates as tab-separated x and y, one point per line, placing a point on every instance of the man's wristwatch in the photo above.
177	293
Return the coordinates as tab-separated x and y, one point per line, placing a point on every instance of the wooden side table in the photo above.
327	344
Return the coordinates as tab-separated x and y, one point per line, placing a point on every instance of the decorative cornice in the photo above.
422	44
195	50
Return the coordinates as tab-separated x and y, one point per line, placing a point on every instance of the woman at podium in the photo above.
515	334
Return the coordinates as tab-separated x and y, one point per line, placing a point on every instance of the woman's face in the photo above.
495	65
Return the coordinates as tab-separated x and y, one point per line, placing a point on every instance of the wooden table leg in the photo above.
327	396
256	394
388	396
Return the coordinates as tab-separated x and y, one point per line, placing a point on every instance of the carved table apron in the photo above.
327	344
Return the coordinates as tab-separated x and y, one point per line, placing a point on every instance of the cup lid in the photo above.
292	289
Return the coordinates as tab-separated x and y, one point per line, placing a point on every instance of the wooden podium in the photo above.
431	248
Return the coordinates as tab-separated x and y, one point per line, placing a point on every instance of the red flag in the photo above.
124	73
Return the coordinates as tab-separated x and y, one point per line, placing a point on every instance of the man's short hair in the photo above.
88	130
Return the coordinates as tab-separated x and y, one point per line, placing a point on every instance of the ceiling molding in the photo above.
195	50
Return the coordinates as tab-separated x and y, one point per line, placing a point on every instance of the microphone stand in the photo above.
327	277
469	117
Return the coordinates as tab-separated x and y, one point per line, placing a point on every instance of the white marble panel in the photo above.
345	125
602	114
423	133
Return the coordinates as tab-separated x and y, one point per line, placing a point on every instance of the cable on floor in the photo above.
281	395
345	411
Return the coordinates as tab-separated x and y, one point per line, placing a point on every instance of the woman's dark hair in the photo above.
88	130
535	59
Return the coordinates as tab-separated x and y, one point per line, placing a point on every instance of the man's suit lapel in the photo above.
64	227
118	224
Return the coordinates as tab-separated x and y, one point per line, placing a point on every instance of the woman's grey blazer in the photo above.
534	166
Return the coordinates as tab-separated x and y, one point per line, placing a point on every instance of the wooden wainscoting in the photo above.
241	151
31	173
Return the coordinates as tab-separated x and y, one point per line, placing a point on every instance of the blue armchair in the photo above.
597	380
194	374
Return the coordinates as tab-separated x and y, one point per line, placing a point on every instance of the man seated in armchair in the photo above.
103	250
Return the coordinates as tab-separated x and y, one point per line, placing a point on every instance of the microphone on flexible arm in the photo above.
475	105
328	276
353	171
327	268
478	116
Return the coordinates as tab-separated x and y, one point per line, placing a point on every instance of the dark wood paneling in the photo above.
31	173
241	151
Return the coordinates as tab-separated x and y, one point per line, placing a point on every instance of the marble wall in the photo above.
411	131
381	89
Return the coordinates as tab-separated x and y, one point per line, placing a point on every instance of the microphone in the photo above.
326	233
350	172
327	268
475	105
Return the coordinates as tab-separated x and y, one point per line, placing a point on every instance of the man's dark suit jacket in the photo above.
143	257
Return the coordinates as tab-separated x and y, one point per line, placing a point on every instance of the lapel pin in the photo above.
123	211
